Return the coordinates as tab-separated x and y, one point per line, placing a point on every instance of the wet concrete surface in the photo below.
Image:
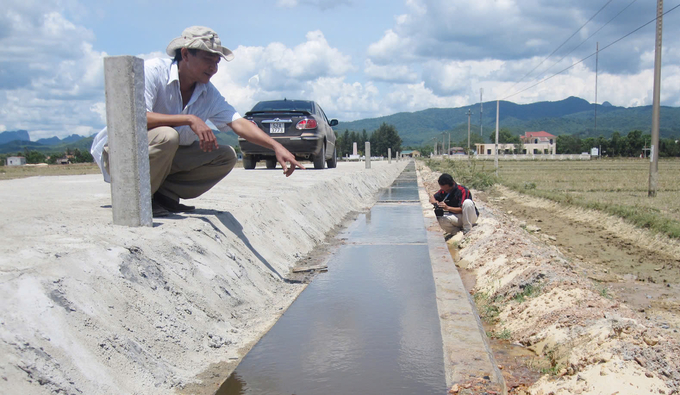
369	325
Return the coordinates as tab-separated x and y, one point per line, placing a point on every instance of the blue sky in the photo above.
358	59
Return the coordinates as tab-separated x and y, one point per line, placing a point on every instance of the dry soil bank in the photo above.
93	308
551	303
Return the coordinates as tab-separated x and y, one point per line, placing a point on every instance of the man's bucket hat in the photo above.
202	38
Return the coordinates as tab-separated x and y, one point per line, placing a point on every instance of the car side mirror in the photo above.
333	122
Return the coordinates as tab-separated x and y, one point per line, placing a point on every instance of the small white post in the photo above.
128	141
367	153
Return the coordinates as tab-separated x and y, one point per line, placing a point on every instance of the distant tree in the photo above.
34	156
82	156
52	158
669	147
386	136
568	144
587	144
616	145
344	145
634	142
505	136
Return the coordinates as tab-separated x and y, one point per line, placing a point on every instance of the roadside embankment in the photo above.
89	307
587	342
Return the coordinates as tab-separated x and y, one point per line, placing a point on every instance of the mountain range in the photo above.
572	115
13	142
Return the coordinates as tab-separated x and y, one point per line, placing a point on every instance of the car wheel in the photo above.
320	159
249	162
333	162
271	163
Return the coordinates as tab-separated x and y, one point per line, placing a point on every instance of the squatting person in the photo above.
184	157
459	211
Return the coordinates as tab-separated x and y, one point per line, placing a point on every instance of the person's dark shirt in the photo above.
456	198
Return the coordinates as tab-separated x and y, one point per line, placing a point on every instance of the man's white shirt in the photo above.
162	95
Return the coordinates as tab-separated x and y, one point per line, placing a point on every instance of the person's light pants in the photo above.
452	223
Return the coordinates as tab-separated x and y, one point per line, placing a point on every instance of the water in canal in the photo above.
367	326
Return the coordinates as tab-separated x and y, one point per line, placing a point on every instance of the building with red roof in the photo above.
534	143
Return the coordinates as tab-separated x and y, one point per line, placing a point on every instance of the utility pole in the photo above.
481	110
449	143
469	114
597	58
498	106
656	108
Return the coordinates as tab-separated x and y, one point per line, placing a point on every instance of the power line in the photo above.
589	37
561	45
589	56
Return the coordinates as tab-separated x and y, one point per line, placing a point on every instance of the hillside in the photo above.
6	137
569	116
572	116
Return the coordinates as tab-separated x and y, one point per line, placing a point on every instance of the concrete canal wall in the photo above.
93	308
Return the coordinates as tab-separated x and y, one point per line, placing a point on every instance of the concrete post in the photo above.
367	153
128	141
354	148
389	155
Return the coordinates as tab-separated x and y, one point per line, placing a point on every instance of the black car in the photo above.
299	125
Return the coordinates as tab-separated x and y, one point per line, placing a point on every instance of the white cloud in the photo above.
391	47
279	67
455	48
321	4
392	73
51	76
445	78
275	71
287	3
343	100
414	97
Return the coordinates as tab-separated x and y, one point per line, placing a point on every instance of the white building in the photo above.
15	161
535	143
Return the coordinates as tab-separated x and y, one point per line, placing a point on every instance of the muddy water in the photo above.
367	326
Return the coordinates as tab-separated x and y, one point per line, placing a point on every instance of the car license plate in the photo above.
277	127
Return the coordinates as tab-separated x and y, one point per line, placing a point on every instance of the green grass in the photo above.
528	292
604	292
486	307
640	216
474	175
505	334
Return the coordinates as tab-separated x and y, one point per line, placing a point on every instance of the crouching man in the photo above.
458	211
185	159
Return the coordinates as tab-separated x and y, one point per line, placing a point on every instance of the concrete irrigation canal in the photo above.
371	324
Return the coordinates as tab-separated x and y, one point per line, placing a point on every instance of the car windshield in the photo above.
283	105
